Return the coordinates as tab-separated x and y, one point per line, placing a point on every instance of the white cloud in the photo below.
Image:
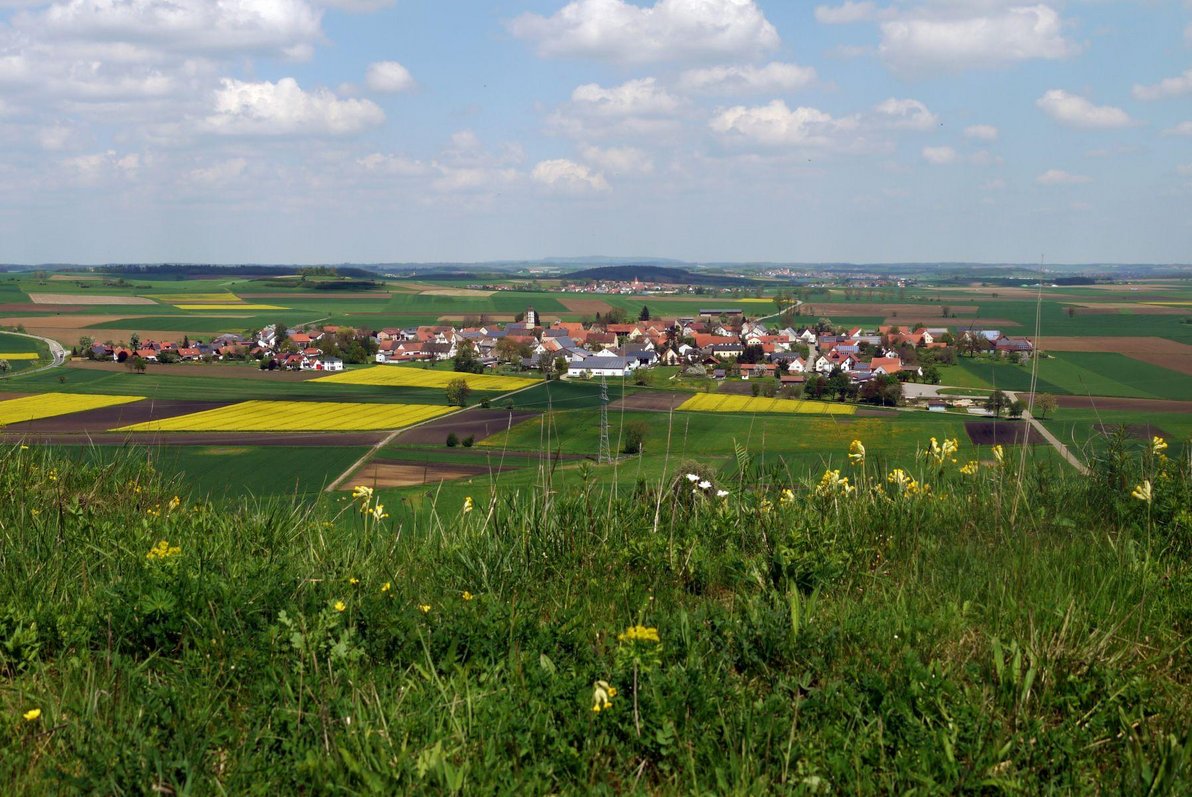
1184	170
219	173
773	77
393	165
1061	177
288	27
982	132
389	77
568	177
924	39
632	98
284	109
618	160
1182	129
906	114
1168	87
777	125
621	32
940	156
847	13
91	169
357	6
1075	111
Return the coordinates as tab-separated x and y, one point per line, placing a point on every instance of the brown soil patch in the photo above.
70	278
488	317
59	322
237	439
585	306
69	336
74	298
988	433
1130	308
955	323
476	422
657	401
456	292
409	474
382	295
1155	351
1127	404
204	370
105	419
927	313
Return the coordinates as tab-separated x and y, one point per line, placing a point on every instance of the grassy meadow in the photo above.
1004	631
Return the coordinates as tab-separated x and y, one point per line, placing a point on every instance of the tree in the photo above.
279	333
644	315
458	391
996	402
165	356
1071	312
755	389
931	375
614	316
1015	408
85	344
884	390
134	341
4	366
466	360
1046	403
509	350
561	366
634	437
947	310
136	363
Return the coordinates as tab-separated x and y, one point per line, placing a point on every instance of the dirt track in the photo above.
1127	404
475	422
382	473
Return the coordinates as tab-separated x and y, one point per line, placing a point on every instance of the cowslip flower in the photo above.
378	512
1158	445
602	696
856	453
970	469
788	496
832	483
467	504
163	550
1143	492
639	633
362	492
31	714
999	454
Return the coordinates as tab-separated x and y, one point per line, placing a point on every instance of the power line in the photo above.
605	453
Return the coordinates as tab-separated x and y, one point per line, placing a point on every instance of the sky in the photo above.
331	131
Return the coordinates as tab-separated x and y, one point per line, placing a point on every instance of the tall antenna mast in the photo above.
604	454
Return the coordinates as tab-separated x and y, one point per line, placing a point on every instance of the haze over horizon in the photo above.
369	131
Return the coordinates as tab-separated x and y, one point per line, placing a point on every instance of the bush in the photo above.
469	441
452	440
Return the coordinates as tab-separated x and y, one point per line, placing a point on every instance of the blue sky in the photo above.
316	131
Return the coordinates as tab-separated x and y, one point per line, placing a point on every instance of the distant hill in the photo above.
648	273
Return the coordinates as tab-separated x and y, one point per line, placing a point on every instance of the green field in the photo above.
1074	373
10	343
1089	431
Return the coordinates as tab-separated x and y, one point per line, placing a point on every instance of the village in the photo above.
717	344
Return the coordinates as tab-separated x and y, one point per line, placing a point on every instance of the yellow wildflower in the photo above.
386	587
1158	445
32	714
340	606
904	482
999	454
466	595
378	512
424	607
1143	492
175	502
602	696
639	633
766	505
467	504
788	496
362	492
832	483
353	581
970	469
163	550
35	511
24	448
856	453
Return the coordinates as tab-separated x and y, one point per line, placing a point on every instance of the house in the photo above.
602	366
885	365
1006	345
936	405
724	351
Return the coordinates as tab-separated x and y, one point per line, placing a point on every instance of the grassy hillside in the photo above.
1003	631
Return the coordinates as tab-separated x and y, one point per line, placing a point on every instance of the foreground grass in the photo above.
1001	632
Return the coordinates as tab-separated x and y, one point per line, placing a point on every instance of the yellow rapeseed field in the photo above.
18	355
400	376
712	402
47	405
295	416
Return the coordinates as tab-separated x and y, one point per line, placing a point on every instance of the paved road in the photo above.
56	351
1050	438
